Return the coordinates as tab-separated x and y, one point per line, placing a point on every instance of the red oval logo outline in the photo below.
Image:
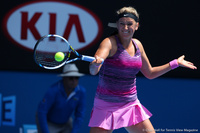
12	11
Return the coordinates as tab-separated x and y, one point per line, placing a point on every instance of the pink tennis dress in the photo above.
116	104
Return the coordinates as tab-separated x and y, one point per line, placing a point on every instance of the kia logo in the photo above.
27	23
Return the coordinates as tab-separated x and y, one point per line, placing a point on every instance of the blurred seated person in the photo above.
63	99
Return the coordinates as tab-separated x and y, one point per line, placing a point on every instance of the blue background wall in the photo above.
167	30
173	102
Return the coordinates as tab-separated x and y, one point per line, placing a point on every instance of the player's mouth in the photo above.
125	32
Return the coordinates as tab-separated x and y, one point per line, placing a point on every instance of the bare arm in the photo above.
102	53
153	72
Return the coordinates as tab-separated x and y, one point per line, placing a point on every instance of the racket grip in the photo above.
89	58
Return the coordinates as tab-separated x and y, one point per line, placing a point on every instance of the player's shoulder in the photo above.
108	43
139	44
137	41
109	40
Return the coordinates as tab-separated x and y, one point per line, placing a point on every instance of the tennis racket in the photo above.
46	48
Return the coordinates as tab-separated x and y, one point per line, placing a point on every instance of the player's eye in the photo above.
129	24
121	23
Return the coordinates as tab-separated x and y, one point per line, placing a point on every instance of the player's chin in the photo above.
126	34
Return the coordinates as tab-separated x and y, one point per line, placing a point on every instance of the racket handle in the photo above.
89	58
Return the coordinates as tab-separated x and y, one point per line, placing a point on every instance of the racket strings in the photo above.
47	60
47	47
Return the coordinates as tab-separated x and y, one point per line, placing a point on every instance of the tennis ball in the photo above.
59	56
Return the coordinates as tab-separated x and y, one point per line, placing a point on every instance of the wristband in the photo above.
174	64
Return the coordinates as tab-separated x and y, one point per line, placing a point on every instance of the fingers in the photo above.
182	62
191	65
98	61
181	58
187	64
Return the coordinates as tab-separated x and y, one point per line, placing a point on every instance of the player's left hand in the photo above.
183	63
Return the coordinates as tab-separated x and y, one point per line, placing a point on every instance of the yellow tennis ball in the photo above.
59	56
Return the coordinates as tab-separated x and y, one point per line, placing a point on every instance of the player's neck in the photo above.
125	41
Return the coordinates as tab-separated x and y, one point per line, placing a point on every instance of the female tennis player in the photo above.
116	104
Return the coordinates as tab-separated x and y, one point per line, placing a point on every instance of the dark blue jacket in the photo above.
57	107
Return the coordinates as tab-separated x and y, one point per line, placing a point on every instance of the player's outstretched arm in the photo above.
154	72
101	53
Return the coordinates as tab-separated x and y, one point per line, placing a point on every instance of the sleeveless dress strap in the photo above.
137	48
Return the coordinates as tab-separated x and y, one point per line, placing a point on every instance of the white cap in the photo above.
70	70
